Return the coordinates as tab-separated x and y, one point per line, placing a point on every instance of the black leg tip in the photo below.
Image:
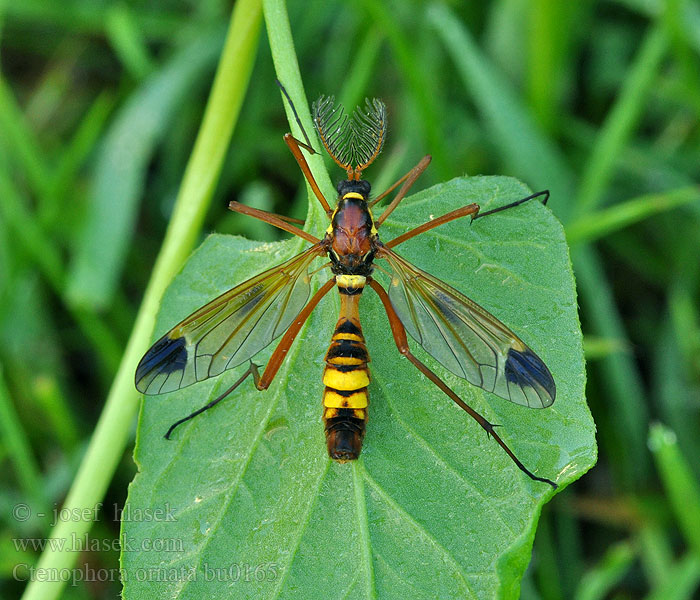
544	480
489	428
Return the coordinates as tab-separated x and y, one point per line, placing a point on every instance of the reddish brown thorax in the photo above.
352	227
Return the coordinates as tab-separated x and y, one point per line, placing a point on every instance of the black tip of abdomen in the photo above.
344	435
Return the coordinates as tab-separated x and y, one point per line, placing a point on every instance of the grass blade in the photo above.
620	120
526	152
677	477
112	431
122	164
593	226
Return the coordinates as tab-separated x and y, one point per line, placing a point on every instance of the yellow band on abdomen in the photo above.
348	380
353	337
332	399
346	360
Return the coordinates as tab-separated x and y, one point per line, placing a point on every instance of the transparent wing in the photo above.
229	330
465	338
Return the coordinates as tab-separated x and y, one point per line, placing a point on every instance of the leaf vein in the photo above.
395	506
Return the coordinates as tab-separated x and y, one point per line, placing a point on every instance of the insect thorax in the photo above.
351	237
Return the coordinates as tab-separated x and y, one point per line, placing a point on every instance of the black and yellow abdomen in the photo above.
346	377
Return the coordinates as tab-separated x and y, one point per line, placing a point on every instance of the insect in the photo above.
457	332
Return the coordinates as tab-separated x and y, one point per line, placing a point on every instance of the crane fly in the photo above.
461	335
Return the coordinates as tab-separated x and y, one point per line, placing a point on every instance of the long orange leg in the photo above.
399	334
287	219
273	365
272	219
285	344
469	209
388	191
295	146
409	179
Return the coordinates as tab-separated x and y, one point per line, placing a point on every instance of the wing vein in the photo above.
465	338
241	321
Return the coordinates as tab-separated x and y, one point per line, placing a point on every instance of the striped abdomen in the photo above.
346	377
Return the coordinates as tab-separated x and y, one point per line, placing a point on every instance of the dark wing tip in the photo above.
165	356
527	369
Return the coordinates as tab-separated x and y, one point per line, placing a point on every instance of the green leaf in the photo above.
251	506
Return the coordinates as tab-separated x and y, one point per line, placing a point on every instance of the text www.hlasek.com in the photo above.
76	543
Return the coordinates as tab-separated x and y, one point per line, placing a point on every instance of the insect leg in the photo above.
469	209
273	365
252	370
409	179
399	334
544	193
272	219
287	219
427	158
297	119
295	146
280	352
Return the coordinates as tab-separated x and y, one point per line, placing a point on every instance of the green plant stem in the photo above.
112	431
682	582
90	18
25	149
656	553
544	26
284	56
54	404
363	68
128	41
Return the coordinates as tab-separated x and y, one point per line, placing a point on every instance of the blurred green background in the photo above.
598	101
